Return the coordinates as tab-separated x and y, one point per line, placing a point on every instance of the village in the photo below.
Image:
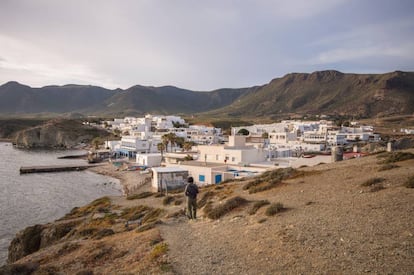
170	150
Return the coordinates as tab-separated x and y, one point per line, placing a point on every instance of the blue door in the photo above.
217	179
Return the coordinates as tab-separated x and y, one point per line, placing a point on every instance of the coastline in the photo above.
131	181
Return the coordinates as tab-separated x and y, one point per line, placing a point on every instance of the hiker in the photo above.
191	191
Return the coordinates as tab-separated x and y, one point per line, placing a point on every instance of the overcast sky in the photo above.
199	45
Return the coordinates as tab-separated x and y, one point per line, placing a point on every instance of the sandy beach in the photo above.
131	181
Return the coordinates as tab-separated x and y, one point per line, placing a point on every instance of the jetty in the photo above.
53	168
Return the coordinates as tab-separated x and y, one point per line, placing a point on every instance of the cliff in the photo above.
58	133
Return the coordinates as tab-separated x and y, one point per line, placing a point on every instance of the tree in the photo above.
165	141
179	141
161	148
96	142
243	132
187	146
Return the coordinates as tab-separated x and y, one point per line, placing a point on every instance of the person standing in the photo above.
191	191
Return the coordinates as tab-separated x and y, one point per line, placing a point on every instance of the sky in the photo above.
199	45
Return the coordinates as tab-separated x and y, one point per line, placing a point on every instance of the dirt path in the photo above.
332	226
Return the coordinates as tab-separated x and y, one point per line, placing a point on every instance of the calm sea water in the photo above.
30	199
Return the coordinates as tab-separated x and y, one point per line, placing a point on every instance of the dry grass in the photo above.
410	182
159	250
274	208
271	179
142	195
387	166
257	205
221	210
98	205
372	181
168	200
205	198
396	157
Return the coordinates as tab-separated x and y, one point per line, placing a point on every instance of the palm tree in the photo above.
161	148
187	146
165	140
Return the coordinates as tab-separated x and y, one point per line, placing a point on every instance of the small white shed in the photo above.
150	160
168	178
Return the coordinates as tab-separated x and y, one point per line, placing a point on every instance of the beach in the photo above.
131	181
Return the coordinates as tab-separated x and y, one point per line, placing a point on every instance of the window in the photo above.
233	159
201	178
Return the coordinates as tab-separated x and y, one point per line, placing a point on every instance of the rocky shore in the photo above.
349	217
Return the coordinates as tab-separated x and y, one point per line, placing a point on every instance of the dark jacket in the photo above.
191	190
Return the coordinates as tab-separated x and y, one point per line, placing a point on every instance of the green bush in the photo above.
274	208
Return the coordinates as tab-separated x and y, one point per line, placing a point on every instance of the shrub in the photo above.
410	182
140	195
387	166
134	213
152	215
204	199
376	188
104	233
99	204
229	205
159	250
146	227
372	181
398	156
252	183
167	200
257	205
88	232
274	208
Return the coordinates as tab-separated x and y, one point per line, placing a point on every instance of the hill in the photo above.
329	93
349	217
18	100
318	93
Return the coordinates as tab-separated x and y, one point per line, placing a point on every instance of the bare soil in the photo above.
331	225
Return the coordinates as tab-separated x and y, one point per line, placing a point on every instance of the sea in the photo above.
29	199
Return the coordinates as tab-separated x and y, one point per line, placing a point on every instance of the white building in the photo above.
168	178
235	152
150	160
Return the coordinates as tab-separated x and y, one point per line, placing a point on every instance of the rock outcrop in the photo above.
33	238
58	133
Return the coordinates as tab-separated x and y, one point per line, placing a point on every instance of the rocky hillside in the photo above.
18	99
323	92
58	133
329	93
349	217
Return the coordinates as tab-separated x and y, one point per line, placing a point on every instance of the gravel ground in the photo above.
332	225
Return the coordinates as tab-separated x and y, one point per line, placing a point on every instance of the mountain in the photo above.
322	92
329	92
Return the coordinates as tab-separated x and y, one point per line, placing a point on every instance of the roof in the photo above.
168	169
202	164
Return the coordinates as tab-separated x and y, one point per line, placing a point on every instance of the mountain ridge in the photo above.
320	92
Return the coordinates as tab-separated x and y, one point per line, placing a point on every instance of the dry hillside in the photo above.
350	217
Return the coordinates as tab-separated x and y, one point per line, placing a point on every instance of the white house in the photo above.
168	178
150	160
235	152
